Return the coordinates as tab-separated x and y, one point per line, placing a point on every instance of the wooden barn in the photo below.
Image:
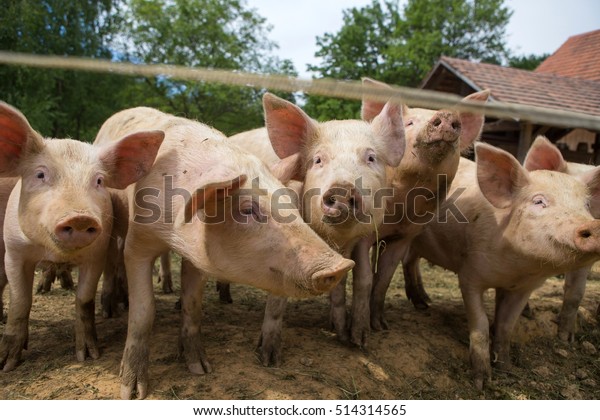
569	80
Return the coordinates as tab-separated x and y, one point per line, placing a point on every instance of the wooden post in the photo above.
525	140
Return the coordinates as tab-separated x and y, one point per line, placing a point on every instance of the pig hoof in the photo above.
479	384
199	368
420	305
94	353
566	336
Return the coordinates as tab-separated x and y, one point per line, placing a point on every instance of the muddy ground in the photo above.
424	355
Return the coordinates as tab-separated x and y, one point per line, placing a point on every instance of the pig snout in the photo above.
341	200
77	231
587	237
443	126
325	280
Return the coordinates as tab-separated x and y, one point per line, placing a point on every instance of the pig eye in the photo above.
317	160
250	209
100	181
371	158
540	201
409	123
41	174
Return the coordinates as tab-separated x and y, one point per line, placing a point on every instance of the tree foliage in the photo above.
400	46
527	62
208	33
59	103
222	34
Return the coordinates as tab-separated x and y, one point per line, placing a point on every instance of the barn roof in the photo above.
520	86
578	57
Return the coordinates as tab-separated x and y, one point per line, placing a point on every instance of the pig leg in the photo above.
3	283
388	261
15	336
66	280
479	350
337	310
575	282
86	340
362	283
48	277
224	290
109	286
193	282
164	273
139	261
270	334
509	305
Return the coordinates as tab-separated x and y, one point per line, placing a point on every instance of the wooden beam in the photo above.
525	140
501	125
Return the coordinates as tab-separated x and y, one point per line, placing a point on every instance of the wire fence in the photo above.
324	87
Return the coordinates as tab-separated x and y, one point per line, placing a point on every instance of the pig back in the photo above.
257	143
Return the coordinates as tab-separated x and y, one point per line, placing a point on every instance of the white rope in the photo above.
323	87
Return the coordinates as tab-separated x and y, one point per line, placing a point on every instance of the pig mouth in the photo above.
436	150
347	220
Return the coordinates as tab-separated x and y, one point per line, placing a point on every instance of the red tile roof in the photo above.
578	57
508	84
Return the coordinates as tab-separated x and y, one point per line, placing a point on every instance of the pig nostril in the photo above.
67	229
585	234
437	122
351	201
329	201
456	125
91	230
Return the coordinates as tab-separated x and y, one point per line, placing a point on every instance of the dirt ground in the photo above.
424	355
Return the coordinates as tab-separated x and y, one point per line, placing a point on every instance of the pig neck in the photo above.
417	175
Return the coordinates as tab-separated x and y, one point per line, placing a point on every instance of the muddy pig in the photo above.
210	202
60	211
435	140
513	229
342	170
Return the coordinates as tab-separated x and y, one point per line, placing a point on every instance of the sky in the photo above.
536	26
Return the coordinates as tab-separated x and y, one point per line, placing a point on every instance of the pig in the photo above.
210	202
60	212
340	169
544	155
51	272
435	140
514	229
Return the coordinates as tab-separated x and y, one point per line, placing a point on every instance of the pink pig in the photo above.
60	211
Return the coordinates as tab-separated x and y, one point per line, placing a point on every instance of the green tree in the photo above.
60	103
222	34
401	46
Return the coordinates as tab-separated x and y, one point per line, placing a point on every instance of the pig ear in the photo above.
389	128
370	109
289	127
592	180
544	155
499	175
130	158
472	123
287	169
17	139
211	192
